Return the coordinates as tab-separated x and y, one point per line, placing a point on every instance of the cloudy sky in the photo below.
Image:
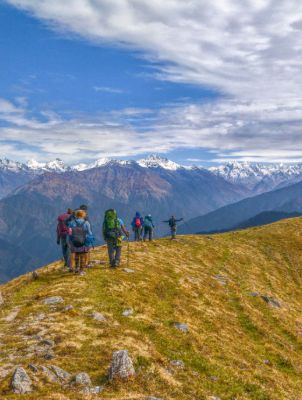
201	82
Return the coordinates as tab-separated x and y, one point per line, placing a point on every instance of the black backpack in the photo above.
78	235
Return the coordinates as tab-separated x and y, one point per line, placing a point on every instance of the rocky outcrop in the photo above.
121	365
21	382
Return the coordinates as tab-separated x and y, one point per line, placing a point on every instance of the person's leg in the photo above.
111	252
64	251
150	234
77	262
145	233
82	262
118	254
72	262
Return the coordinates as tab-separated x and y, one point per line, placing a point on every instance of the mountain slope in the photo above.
266	217
28	216
239	345
285	199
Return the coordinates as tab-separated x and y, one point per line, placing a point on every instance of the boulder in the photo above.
21	382
181	327
82	379
50	375
62	375
121	365
98	316
53	300
92	390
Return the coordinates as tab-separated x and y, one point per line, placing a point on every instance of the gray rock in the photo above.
82	379
128	312
128	270
92	390
68	308
152	398
53	300
271	301
21	382
62	375
98	316
51	377
182	327
121	365
49	355
177	363
254	294
221	279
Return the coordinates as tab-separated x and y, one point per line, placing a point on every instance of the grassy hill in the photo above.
238	293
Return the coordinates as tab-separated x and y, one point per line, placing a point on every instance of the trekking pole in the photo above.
128	252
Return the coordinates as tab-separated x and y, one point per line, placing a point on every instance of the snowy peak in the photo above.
154	161
56	165
13	166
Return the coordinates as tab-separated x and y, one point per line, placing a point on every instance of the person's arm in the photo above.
125	230
58	235
179	220
88	228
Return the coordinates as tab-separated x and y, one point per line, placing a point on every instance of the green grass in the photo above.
231	334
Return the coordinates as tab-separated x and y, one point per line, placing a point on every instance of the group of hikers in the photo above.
75	236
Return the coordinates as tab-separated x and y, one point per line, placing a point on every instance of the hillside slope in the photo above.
239	345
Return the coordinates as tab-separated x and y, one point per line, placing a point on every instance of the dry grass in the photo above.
237	347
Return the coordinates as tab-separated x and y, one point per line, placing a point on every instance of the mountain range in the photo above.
33	194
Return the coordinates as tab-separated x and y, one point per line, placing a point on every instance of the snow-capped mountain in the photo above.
259	177
154	161
56	165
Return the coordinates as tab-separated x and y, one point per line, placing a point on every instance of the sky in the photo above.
198	82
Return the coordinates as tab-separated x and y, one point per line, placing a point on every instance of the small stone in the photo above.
128	270
51	377
271	301
267	362
213	378
177	363
82	379
53	300
49	355
68	308
61	374
254	294
128	312
92	390
98	316
35	275
182	327
21	382
121	365
221	279
33	367
152	398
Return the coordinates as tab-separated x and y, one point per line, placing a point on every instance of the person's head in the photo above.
69	211
80	214
137	214
172	217
149	216
83	207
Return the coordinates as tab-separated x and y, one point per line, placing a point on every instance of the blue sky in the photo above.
85	83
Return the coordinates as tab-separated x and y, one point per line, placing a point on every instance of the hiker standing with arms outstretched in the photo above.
113	230
173	225
137	226
62	235
148	227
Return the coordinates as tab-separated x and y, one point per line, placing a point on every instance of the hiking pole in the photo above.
128	252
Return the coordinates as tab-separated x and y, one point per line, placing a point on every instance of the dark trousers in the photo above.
137	233
148	232
173	232
114	252
65	251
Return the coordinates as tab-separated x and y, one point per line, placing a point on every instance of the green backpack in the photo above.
111	225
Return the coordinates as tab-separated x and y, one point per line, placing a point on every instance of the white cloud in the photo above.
251	49
230	130
106	89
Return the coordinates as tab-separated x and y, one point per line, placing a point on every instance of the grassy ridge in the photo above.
237	347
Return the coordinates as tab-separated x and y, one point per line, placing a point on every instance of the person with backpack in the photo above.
113	230
79	240
62	234
173	225
137	226
148	227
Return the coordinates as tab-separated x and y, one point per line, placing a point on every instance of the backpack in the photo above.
148	222
78	235
138	222
172	222
111	225
62	228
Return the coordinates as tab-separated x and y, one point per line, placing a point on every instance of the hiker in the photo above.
62	234
148	227
137	226
173	225
79	240
113	230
